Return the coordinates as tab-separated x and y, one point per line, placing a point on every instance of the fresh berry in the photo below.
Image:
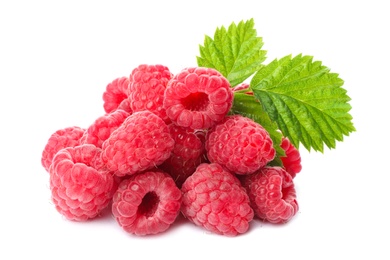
187	153
147	84
147	203
292	160
80	190
102	128
272	194
67	137
142	142
198	98
214	199
115	94
239	144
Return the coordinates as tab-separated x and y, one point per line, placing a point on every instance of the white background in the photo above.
56	58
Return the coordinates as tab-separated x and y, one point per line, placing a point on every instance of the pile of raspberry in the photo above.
169	145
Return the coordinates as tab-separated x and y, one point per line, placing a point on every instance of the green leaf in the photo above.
236	52
249	106
306	100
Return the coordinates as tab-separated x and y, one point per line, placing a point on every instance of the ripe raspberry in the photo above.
79	190
147	203
198	98
102	128
272	194
67	137
214	199
239	144
147	85
187	153
116	94
292	160
142	142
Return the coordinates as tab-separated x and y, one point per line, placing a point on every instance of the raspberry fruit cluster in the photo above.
168	144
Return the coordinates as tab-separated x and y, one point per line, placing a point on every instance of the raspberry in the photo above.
272	194
187	153
214	199
67	137
142	142
146	89
147	203
102	128
116	94
292	160
79	190
198	98
239	144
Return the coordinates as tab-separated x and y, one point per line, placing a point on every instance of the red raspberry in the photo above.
239	144
67	137
116	94
292	160
214	199
142	142
272	194
146	89
102	128
187	153
147	203
79	190
198	98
